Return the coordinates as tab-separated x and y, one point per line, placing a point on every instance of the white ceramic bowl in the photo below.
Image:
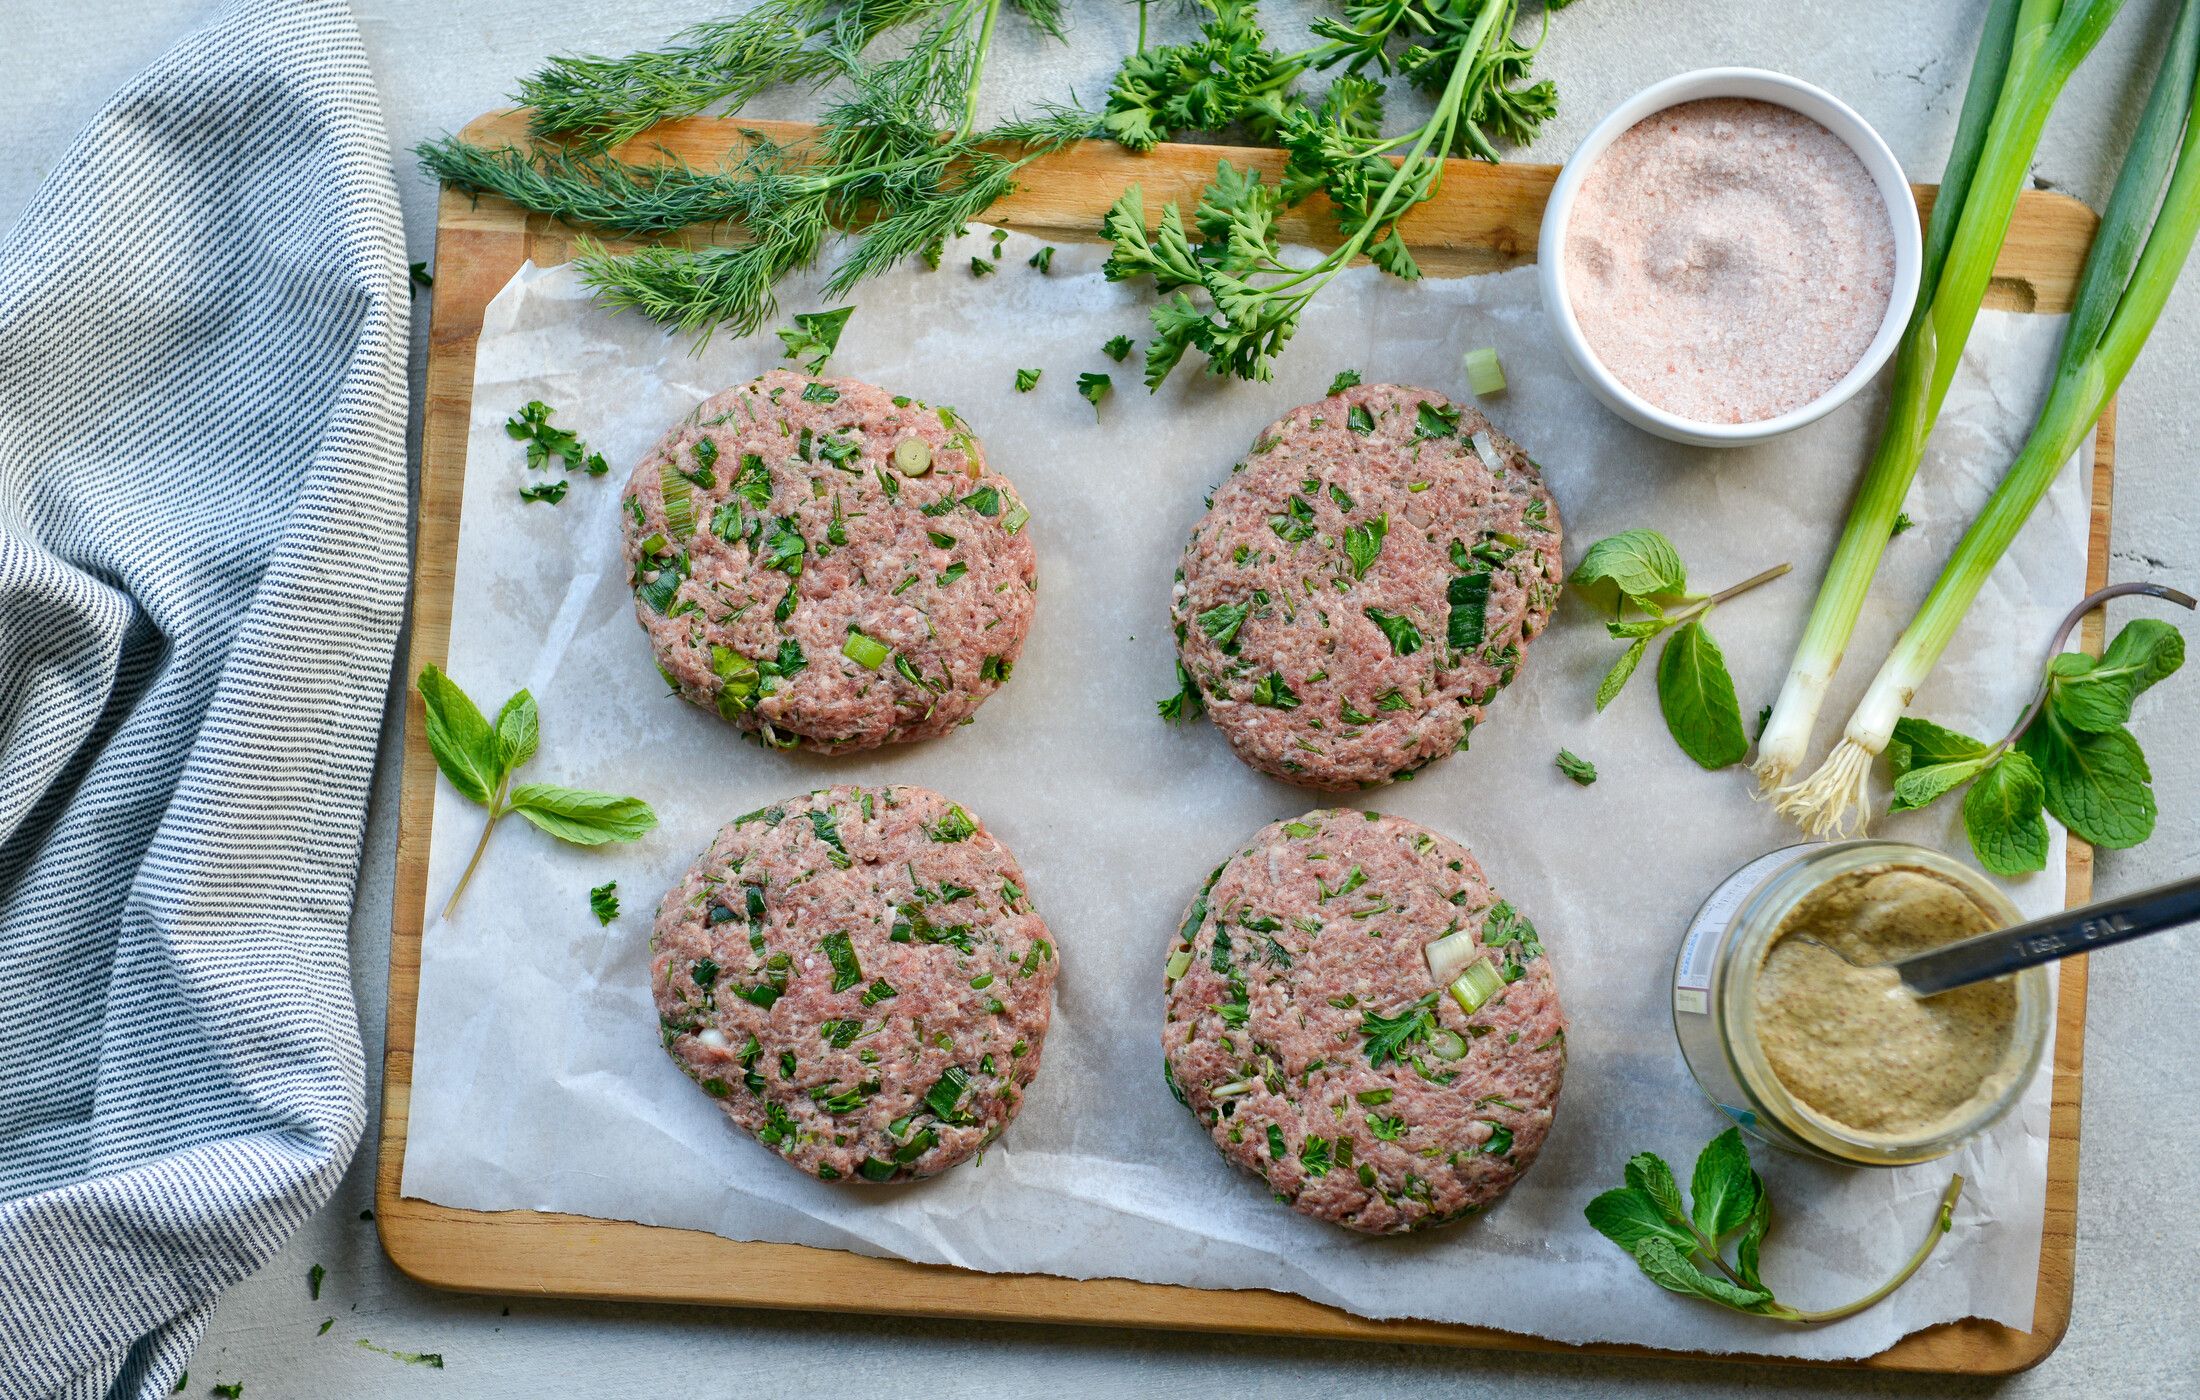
1820	106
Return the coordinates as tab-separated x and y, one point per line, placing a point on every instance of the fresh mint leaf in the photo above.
2098	785
1647	1172
1608	689
581	817
1725	1187
1627	1216
2096	695
1920	787
2001	813
1919	743
518	731
1683	1250
465	748
1672	1270
1752	1243
603	902
1635	566
2149	649
1696	694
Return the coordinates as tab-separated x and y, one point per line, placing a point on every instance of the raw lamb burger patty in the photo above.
859	979
828	565
1304	1032
1364	582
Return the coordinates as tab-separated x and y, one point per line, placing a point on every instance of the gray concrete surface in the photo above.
1902	63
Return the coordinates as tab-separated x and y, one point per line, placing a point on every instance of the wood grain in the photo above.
1485	219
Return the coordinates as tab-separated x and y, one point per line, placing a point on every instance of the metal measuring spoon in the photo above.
1997	954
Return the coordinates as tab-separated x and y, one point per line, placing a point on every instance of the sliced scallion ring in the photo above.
1476	985
1486	449
679	501
1484	374
866	651
1448	956
913	457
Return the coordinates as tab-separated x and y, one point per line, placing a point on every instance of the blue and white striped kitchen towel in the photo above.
203	329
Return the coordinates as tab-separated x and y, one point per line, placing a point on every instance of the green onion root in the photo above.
1833	799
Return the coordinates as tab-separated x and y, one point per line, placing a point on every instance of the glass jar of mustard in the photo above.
1790	1024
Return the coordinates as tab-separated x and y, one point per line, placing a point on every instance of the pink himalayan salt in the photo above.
1729	260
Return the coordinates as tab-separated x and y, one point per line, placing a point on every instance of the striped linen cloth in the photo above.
203	331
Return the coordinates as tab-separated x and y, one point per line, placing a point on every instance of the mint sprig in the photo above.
479	759
1682	1244
2070	757
1638	577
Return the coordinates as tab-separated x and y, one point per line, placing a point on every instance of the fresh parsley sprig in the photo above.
1462	52
603	902
1681	1245
813	337
1639	572
479	760
546	442
2071	754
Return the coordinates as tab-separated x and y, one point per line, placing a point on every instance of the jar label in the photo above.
1707	932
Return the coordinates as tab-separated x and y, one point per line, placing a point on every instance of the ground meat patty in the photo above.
828	565
859	979
1363	583
1304	1031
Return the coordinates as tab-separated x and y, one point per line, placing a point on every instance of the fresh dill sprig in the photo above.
719	62
577	187
878	167
725	63
1461	51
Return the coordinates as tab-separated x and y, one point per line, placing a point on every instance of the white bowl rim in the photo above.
1781	89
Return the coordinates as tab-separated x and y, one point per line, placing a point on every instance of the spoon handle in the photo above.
2081	930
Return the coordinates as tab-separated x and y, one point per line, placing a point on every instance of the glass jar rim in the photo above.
1741	957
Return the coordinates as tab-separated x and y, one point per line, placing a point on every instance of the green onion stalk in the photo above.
2026	54
2137	255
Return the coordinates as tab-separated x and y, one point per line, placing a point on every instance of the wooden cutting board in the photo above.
1486	218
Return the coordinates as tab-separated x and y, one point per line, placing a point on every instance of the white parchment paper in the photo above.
538	1082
